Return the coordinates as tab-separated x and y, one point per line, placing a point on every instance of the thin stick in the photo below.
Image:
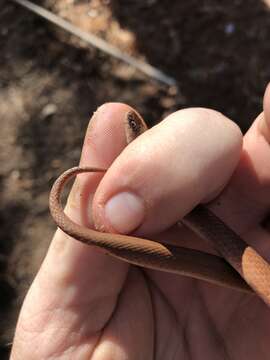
95	41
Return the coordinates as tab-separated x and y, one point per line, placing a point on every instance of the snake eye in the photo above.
134	123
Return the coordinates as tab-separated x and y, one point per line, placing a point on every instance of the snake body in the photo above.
239	266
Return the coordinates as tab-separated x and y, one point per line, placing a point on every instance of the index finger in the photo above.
73	279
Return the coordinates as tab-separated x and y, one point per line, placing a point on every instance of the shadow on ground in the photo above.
218	51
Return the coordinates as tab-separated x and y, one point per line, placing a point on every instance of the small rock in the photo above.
229	28
48	110
93	13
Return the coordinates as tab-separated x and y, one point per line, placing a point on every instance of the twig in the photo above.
95	41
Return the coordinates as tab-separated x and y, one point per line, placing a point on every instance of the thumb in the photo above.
186	159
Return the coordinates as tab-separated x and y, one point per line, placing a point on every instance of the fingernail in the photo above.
125	212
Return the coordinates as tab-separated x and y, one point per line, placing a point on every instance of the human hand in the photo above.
84	304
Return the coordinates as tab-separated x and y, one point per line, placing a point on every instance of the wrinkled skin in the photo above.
86	305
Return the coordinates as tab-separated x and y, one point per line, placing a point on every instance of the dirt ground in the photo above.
50	83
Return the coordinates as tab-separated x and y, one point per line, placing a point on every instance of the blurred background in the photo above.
50	83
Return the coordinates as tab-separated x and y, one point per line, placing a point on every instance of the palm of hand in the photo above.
172	317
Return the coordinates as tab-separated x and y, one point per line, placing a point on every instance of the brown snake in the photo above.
239	265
